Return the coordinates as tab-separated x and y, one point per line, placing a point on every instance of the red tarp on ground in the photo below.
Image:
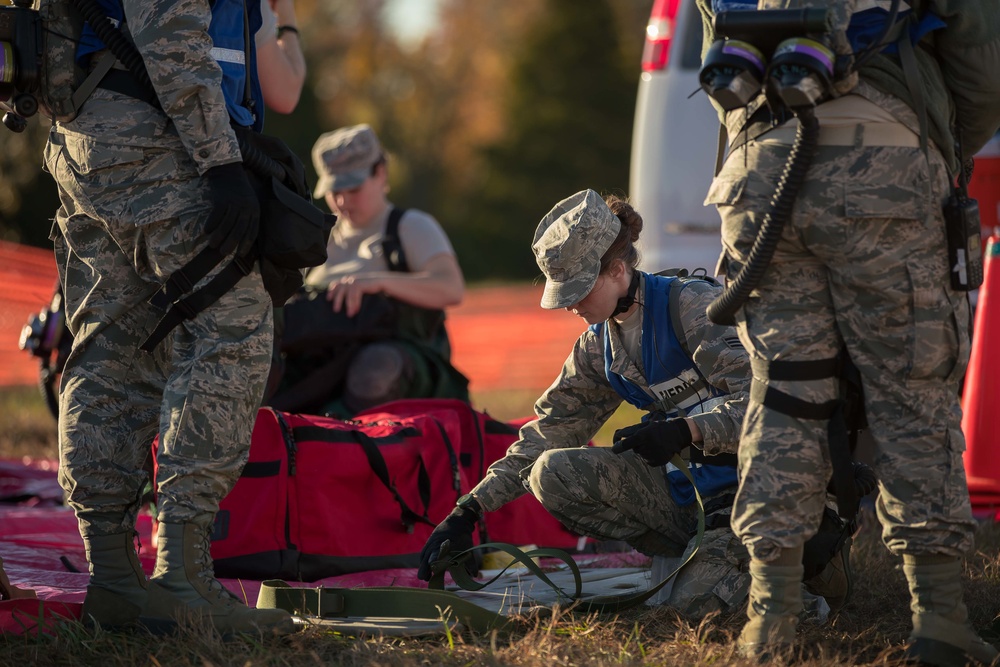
42	550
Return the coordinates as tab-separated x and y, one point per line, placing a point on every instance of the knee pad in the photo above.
379	373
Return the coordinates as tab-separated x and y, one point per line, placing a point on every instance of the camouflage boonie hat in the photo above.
569	243
344	158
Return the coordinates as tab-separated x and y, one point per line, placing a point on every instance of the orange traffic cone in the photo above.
981	396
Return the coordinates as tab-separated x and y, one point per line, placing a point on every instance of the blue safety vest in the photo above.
674	380
227	32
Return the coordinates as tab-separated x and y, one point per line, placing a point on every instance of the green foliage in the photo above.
28	197
500	112
569	117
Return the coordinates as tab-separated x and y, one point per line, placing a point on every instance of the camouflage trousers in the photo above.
130	215
862	264
618	497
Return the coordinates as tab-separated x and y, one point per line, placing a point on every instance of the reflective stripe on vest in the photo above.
227	33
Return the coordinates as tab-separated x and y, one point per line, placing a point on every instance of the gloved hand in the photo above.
235	215
656	442
456	529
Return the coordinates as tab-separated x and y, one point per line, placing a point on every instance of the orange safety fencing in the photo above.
27	280
500	337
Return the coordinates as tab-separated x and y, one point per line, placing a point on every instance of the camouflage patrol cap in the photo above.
569	243
344	158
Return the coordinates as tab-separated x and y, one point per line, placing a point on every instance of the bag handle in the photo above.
378	465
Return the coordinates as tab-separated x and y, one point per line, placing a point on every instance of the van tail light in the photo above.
659	33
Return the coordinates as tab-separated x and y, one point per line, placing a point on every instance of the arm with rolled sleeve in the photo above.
720	357
172	36
569	413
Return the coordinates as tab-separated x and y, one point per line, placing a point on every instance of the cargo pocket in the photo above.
725	190
737	227
935	348
89	157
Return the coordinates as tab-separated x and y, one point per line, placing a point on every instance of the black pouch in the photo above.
293	232
312	326
965	250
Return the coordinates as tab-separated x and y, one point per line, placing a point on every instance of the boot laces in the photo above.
206	570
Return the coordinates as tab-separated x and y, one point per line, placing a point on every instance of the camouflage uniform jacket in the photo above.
581	400
177	51
959	72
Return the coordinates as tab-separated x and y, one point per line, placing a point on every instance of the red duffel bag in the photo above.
483	440
321	497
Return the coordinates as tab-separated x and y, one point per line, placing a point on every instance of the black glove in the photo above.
456	529
656	442
235	216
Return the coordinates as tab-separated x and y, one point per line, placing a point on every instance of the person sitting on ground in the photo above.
690	377
378	249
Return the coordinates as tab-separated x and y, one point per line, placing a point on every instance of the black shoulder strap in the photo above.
168	299
683	278
674	299
392	246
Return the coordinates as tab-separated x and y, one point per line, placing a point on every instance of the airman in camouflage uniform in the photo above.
588	257
135	201
862	265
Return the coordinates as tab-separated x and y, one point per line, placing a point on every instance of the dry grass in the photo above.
869	631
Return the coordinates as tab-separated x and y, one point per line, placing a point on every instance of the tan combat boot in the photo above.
941	634
116	592
183	585
773	608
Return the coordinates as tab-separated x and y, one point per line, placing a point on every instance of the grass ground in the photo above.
868	632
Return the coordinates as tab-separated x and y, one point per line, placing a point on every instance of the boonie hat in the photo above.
569	243
344	158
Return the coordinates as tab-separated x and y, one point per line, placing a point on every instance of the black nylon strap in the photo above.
796	371
698	456
456	474
122	82
322	434
188	307
185	278
788	404
843	469
381	470
392	245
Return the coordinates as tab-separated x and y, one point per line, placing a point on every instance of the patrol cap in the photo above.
344	158
569	243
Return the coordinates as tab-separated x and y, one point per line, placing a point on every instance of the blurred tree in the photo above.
498	113
28	198
568	110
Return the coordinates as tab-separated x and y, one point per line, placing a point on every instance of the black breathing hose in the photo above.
113	38
865	480
723	308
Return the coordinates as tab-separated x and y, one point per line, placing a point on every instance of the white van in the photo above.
674	145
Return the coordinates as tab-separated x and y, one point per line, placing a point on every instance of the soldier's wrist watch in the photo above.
468	502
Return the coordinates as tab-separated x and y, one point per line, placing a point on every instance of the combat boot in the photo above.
941	633
835	582
116	592
773	608
184	586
